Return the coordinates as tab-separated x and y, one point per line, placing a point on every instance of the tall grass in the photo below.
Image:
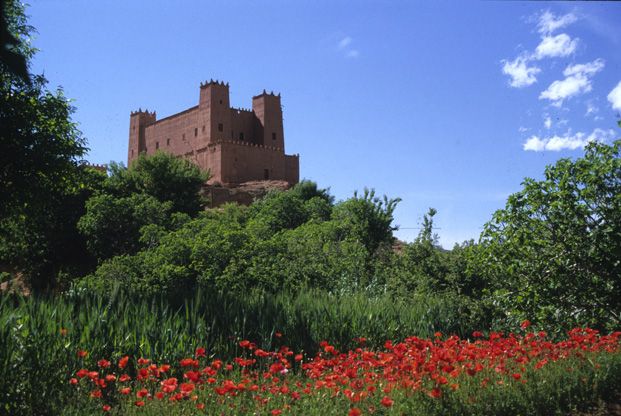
39	336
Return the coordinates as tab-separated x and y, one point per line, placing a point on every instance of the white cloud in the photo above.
567	141
591	108
548	22
344	42
548	123
590	68
521	74
352	54
555	46
523	129
577	81
615	97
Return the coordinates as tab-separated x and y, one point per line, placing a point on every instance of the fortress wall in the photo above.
246	162
174	128
209	157
243	122
292	168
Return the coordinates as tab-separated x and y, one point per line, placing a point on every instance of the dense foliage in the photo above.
554	252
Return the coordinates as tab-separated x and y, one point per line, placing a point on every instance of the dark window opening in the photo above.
167	142
266	173
273	136
157	145
183	136
220	101
241	136
133	127
220	127
203	129
132	152
195	132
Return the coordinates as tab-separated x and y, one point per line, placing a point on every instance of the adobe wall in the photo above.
178	134
244	162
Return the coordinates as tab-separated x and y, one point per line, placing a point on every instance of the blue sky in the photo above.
444	104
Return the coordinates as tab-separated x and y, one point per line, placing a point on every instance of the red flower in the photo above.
125	390
103	363
82	353
435	393
355	412
200	352
142	393
278	335
387	401
73	381
139	403
516	376
123	362
276	412
298	357
525	324
106	408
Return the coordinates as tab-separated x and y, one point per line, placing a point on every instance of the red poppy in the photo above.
387	401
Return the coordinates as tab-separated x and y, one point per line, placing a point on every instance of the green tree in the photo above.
164	177
42	182
554	251
368	217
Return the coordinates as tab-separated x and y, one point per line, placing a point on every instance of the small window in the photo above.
266	173
203	129
220	127
133	127
132	152
183	136
195	132
241	136
273	136
167	142
220	101
157	145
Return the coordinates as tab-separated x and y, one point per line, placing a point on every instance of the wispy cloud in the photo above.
521	74
547	123
521	70
344	45
577	81
615	97
549	23
344	42
555	46
567	141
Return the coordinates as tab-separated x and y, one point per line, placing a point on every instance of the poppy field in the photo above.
486	374
312	353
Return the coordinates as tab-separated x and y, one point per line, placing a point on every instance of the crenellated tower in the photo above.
268	110
215	110
138	121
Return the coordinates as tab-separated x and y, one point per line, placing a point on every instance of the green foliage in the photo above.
368	218
553	251
112	225
164	177
118	324
42	183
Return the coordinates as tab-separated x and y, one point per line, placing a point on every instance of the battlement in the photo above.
236	144
266	94
212	82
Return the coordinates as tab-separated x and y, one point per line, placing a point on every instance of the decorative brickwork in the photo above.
236	145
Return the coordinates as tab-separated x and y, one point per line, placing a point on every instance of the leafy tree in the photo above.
164	177
554	251
112	225
368	217
42	182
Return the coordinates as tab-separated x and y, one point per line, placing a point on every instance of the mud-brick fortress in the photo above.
235	145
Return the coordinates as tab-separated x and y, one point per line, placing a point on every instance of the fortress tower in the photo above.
236	145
